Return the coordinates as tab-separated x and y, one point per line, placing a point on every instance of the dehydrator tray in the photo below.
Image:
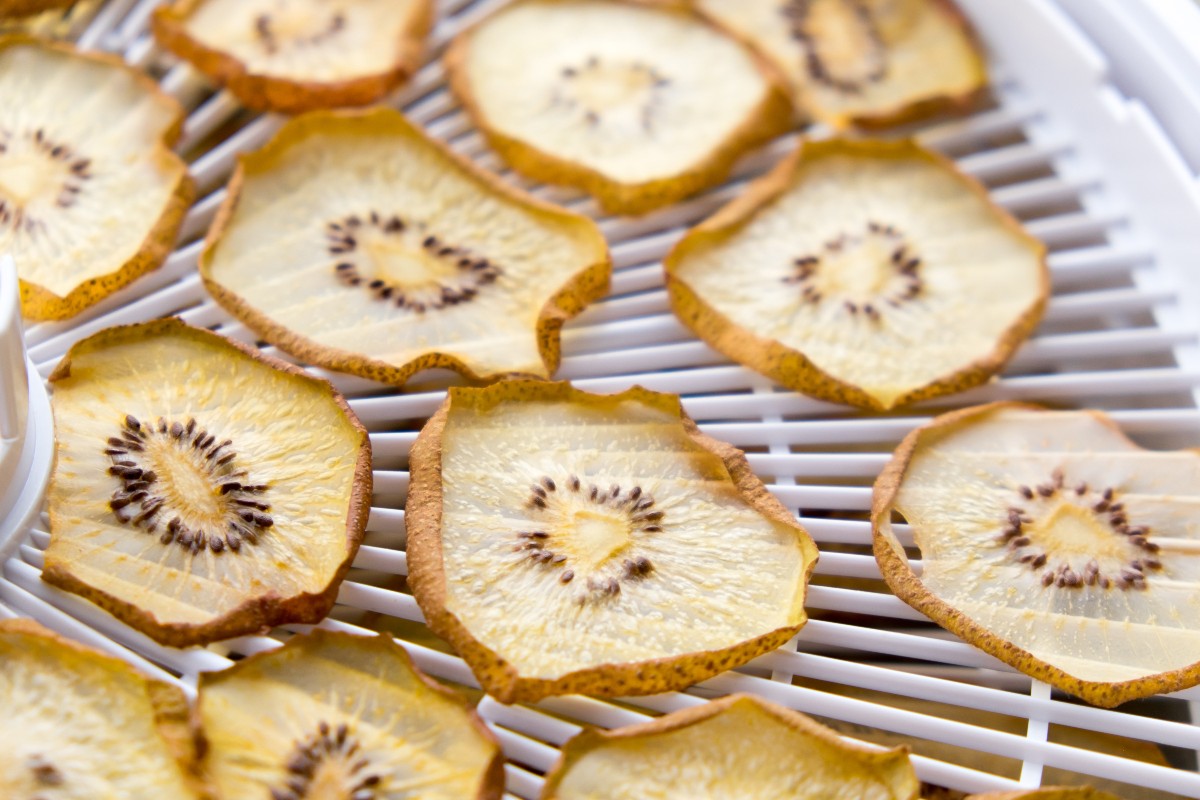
1089	139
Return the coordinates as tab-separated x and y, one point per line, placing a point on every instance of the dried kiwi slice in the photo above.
871	63
28	8
863	272
330	715
201	490
1054	543
637	103
297	55
78	723
569	542
356	242
91	195
736	747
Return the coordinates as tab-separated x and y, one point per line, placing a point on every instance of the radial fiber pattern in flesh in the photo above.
344	711
675	507
738	747
1053	532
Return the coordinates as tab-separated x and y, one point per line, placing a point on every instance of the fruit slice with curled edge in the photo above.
332	715
390	255
297	55
91	195
869	63
15	9
1054	543
1048	793
637	103
739	746
565	542
79	723
864	272
201	490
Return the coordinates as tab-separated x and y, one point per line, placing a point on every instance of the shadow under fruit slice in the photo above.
739	746
871	63
80	723
640	104
864	272
1052	542
297	55
201	490
331	715
91	194
565	542
355	242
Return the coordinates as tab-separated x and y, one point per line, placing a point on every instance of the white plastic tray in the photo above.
1079	144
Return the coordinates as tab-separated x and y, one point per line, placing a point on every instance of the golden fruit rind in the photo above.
790	367
29	8
491	785
771	118
591	739
40	304
919	110
269	93
427	577
172	715
586	286
900	578
256	614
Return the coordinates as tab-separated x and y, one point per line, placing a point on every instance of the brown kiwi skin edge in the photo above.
593	738
38	303
257	614
900	578
585	286
790	367
266	93
172	716
491	787
772	117
427	577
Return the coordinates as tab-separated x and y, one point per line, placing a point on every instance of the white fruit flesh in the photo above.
281	256
909	52
957	492
859	318
401	737
287	433
656	572
635	93
321	41
84	178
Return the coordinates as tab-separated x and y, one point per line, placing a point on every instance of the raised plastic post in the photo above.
14	381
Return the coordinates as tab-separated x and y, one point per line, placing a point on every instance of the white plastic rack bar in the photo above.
1087	101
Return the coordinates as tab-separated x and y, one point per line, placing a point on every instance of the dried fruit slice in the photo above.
297	55
1054	543
872	63
863	272
201	490
416	260
568	542
330	715
736	747
91	195
1048	793
637	103
78	723
29	8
